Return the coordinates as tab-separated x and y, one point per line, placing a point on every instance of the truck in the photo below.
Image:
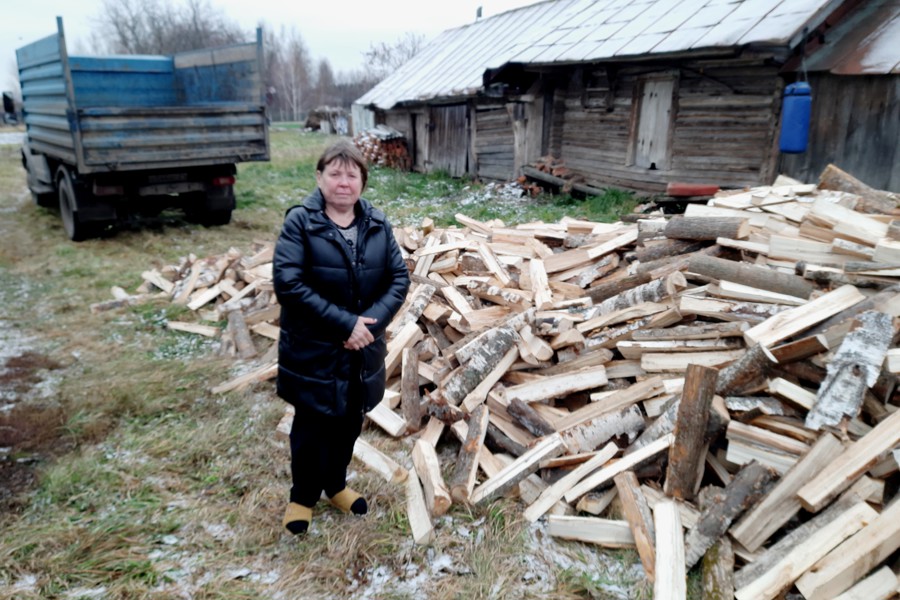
109	137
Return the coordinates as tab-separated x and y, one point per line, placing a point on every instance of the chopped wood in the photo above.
417	512
687	452
555	492
671	569
379	462
707	228
880	585
851	464
464	474
818	543
751	275
602	532
437	495
640	518
854	368
717	572
204	330
851	560
745	490
795	320
555	386
781	504
520	468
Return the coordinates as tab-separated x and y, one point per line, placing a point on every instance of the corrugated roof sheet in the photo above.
867	43
565	31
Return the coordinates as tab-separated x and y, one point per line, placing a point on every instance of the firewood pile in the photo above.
384	147
715	389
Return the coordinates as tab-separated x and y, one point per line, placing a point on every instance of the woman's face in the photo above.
341	183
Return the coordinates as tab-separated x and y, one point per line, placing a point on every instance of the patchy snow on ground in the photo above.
12	138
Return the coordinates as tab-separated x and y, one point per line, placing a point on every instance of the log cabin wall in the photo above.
641	127
855	124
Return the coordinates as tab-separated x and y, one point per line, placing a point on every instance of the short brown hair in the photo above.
345	153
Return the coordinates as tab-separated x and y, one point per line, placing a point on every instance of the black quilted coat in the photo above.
322	285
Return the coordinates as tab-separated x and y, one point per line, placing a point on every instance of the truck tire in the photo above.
213	207
75	227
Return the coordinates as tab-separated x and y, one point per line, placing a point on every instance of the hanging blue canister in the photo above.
795	111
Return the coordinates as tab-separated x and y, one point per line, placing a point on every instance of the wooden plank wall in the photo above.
494	142
725	118
855	124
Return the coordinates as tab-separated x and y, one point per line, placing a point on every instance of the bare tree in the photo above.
325	85
383	59
160	27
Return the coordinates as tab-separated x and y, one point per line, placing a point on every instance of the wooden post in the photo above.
686	454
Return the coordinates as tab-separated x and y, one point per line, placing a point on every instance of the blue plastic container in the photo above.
795	111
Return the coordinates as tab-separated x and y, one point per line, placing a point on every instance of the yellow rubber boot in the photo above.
350	501
297	518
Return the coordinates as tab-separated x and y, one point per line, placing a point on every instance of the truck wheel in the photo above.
76	229
212	208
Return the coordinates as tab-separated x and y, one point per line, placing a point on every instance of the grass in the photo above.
148	486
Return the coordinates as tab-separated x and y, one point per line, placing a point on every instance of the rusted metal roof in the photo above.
866	43
570	31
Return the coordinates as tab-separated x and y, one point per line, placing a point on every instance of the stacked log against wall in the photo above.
726	376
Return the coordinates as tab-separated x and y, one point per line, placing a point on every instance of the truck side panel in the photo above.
119	139
228	74
123	81
47	118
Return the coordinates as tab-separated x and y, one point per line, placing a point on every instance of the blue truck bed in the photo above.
94	116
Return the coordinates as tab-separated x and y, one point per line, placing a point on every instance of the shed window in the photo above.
651	136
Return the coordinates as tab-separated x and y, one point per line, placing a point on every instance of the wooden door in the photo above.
651	147
448	139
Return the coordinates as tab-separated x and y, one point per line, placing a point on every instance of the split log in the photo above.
437	496
700	331
464	475
417	512
851	464
671	574
557	386
413	309
379	462
707	228
795	320
392	423
717	572
405	338
849	562
686	454
241	335
539	285
518	470
555	492
604	475
614	285
752	275
591	434
410	399
655	291
880	585
807	553
781	504
747	487
664	424
620	399
872	200
667	249
529	418
602	532
853	369
640	518
493	345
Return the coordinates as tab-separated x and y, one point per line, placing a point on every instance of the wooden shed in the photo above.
627	94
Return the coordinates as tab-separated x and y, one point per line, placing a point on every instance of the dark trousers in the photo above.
321	449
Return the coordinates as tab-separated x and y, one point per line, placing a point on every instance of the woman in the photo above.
340	279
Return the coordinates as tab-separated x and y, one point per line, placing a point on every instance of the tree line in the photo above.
296	82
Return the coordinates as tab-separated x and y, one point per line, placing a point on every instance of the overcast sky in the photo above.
339	31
